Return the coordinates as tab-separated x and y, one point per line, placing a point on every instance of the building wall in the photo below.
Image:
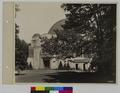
80	66
31	51
36	58
54	63
72	65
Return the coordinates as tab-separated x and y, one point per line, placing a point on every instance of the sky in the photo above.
36	17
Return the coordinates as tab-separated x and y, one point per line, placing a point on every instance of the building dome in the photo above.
57	26
51	33
36	36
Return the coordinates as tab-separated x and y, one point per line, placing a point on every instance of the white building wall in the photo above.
54	63
72	65
36	58
80	66
41	63
87	66
30	60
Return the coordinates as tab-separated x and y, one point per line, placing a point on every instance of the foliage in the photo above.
30	66
60	67
89	29
50	46
96	26
67	66
21	47
21	51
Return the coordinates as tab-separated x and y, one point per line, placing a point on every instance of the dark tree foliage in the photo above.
68	66
21	47
89	29
50	46
21	51
93	27
30	66
60	67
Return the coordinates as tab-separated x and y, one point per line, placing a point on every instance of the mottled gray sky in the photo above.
36	17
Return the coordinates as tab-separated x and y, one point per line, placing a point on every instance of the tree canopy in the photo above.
21	48
89	29
95	26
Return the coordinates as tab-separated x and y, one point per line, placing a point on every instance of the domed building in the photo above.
41	60
57	26
36	56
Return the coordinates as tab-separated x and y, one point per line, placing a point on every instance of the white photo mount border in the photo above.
9	38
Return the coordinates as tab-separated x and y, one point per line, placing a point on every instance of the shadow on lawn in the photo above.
75	77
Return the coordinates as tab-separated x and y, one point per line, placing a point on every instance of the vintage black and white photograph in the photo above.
65	42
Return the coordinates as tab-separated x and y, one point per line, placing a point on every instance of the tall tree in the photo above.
21	48
95	26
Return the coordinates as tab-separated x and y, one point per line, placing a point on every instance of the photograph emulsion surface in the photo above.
65	42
